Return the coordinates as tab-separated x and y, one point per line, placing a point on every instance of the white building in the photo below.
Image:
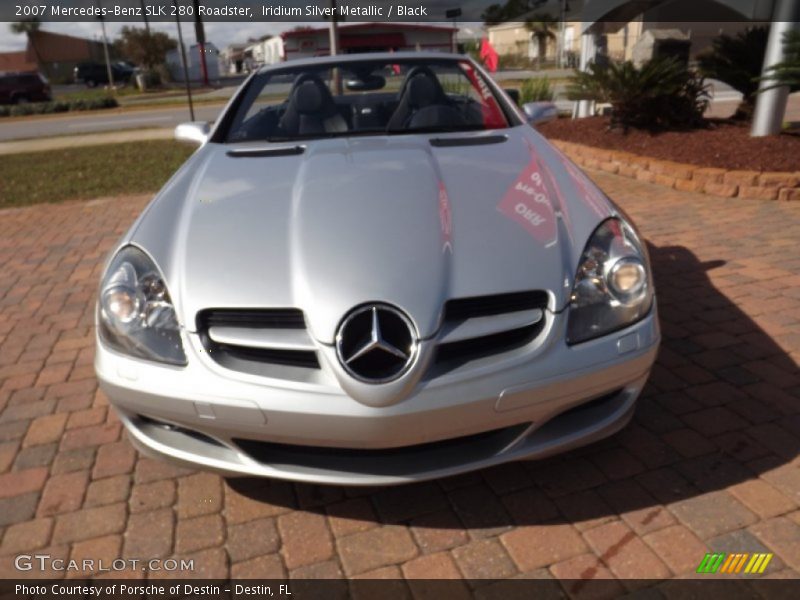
354	38
266	51
193	63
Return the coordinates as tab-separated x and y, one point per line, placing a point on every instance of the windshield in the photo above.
365	98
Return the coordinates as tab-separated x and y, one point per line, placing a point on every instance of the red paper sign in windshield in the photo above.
529	202
492	115
445	219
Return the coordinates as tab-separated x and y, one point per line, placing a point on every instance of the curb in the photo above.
724	183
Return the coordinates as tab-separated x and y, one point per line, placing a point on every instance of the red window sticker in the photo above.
445	219
529	202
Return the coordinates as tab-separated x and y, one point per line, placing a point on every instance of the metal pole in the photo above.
144	16
334	30
584	108
203	65
771	103
201	41
183	57
334	44
105	51
562	33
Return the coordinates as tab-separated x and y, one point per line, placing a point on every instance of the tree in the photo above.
29	27
541	26
737	60
143	47
512	10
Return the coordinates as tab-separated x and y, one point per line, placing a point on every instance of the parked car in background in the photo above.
374	271
94	74
19	88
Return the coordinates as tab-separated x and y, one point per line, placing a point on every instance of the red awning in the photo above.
376	40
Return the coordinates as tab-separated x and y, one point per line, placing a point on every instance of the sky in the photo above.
221	34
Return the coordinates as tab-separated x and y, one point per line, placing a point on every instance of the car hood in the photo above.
408	220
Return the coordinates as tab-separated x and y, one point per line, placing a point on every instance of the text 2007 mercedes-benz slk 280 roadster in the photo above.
374	271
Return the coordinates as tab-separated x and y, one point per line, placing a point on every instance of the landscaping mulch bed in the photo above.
722	145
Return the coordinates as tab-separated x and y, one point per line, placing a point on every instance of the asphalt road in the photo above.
111	120
168	117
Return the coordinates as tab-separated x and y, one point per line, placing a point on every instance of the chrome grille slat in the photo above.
457	331
247	339
483	326
495	304
273	338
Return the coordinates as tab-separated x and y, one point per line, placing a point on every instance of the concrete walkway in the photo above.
709	463
93	139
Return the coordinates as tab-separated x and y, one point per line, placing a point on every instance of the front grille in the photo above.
450	355
290	358
400	461
250	359
273	318
487	345
484	306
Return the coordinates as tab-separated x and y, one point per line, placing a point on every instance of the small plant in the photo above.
737	61
662	94
537	89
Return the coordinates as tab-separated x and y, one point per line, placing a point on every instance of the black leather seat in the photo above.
311	109
423	103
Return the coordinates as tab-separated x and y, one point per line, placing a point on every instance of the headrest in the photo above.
308	97
421	91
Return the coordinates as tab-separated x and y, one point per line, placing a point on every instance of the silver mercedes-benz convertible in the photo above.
374	271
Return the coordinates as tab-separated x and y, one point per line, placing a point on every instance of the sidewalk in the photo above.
92	139
709	463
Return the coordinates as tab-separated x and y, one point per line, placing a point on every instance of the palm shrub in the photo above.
788	71
542	26
537	89
737	60
662	94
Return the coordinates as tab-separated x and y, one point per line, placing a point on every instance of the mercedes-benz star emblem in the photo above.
376	343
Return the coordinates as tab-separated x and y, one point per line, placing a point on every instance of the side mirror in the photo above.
540	112
513	94
194	132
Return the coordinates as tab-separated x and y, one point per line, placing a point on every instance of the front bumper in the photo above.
533	403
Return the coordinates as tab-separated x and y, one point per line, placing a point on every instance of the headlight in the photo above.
136	315
613	286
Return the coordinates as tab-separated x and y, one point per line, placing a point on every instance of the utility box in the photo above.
662	43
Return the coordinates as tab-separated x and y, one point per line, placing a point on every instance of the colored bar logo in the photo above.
720	562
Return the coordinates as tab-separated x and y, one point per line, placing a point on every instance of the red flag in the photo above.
488	55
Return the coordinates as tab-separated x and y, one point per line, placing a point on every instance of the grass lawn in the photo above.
93	94
90	172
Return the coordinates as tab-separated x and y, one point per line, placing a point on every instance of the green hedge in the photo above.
46	108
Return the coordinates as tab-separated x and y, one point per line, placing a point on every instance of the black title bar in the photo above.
135	11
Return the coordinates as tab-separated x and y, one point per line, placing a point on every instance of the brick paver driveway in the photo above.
709	463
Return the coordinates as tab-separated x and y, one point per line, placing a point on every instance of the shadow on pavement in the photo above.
704	423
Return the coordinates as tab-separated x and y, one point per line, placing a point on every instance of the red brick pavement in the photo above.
710	461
